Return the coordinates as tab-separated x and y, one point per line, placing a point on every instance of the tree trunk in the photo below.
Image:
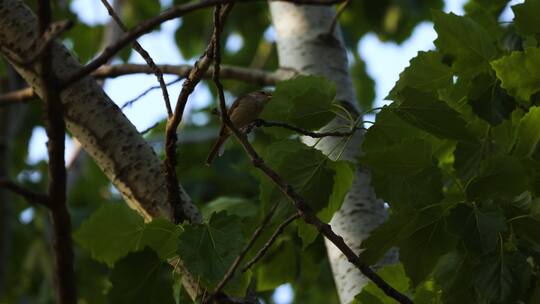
303	44
105	133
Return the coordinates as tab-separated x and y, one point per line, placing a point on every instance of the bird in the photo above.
244	110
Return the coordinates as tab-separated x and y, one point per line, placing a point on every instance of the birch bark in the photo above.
300	34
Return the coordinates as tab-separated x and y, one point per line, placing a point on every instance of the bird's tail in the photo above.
216	148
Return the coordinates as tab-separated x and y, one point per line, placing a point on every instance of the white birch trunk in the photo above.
301	47
127	160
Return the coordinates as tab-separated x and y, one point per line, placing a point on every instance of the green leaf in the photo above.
208	250
160	235
528	133
393	275
405	174
310	173
399	227
233	205
466	41
489	101
111	232
343	180
141	277
304	101
527	230
502	278
479	228
526	18
115	230
454	273
432	115
426	73
407	158
500	177
520	73
420	252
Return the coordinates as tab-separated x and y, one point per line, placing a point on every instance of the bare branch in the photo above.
137	47
194	77
150	89
66	292
27	194
271	240
265	123
255	76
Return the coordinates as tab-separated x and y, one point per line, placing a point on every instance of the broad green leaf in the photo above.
111	232
526	18
420	189
304	101
425	73
479	228
527	230
343	180
312	109
137	11
500	177
115	230
394	275
432	115
310	173
389	129
407	158
520	73
489	101
528	133
502	278
208	250
454	273
399	227
160	235
420	252
466	41
141	277
404	174
233	205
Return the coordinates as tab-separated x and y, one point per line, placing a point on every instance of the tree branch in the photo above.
138	47
66	292
255	76
194	77
27	194
265	123
279	230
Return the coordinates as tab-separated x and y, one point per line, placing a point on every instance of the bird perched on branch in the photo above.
244	110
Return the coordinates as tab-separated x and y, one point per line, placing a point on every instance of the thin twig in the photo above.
138	47
171	138
150	89
279	230
66	292
27	194
265	123
340	11
230	272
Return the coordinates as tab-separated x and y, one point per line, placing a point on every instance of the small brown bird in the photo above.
243	111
